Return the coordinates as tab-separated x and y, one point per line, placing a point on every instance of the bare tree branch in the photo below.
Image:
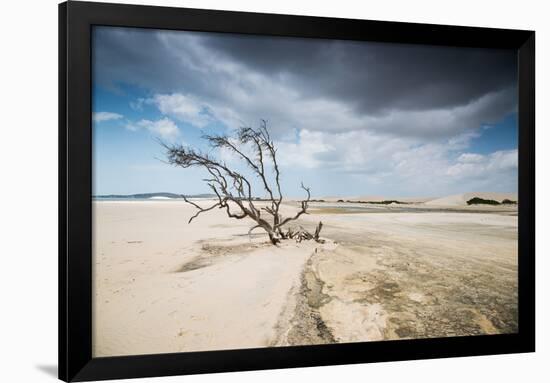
251	229
303	210
230	186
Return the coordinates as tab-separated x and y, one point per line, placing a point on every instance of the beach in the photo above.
385	272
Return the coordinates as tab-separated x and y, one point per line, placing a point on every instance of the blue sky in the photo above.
349	118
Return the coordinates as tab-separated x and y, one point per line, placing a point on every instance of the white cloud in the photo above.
308	152
105	116
235	94
247	97
324	135
321	134
402	163
484	165
470	158
355	151
184	108
163	128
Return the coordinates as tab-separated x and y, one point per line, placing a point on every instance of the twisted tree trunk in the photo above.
230	186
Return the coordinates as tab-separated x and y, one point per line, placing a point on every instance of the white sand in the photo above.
143	304
163	285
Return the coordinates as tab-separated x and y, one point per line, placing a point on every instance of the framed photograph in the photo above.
245	191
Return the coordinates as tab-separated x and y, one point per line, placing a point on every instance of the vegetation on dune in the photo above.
482	201
508	202
384	202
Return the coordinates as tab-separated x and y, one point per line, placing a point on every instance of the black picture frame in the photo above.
75	185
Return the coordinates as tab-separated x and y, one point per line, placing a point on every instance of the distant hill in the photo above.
160	195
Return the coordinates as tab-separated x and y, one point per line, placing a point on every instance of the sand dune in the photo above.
460	199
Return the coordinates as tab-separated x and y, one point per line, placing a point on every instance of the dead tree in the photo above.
234	191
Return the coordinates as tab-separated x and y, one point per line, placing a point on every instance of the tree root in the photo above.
302	234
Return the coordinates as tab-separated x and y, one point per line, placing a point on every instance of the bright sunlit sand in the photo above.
385	272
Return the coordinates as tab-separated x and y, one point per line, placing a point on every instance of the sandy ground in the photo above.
162	285
412	275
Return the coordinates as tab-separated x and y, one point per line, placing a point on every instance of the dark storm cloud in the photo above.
137	57
377	77
323	85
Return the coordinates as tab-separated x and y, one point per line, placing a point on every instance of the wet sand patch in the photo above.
398	280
